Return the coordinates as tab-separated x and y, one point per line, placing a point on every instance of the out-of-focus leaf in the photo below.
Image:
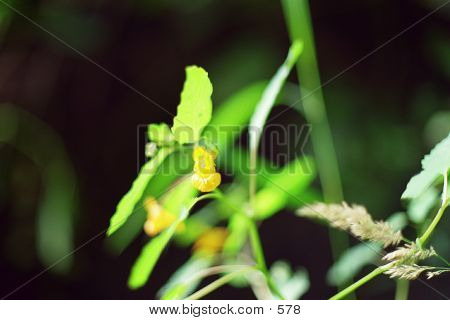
143	267
182	283
160	134
57	205
230	117
238	231
420	206
435	164
307	196
195	108
355	258
292	285
235	161
210	215
291	180
178	195
351	262
130	199
437	127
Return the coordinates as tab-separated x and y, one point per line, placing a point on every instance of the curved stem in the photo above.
216	284
423	239
260	260
351	288
256	246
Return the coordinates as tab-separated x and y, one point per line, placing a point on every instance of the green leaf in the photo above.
287	183
160	134
420	206
179	194
143	267
58	199
271	92
231	116
177	163
434	165
195	108
238	231
351	262
291	285
181	283
130	199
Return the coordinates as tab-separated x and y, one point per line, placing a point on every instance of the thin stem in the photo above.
423	239
443	259
401	289
444	189
342	294
260	260
216	284
256	246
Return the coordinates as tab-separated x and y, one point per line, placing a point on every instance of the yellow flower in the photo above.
205	177
211	241
158	218
206	182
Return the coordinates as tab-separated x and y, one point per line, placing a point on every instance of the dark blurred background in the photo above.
61	108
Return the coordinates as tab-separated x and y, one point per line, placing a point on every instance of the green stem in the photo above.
360	282
402	289
216	284
423	239
260	260
298	19
256	246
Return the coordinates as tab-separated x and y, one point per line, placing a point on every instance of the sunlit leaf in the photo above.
176	164
128	202
149	255
434	165
160	134
195	108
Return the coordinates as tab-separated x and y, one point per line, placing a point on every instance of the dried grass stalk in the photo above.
354	219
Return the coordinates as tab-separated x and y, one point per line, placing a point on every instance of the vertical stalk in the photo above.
297	16
402	289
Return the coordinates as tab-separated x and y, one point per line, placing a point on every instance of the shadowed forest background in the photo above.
57	107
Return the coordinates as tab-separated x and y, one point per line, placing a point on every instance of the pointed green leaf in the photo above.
194	110
270	94
435	164
143	267
128	202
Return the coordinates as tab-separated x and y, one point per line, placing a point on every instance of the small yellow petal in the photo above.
158	218
211	241
206	182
